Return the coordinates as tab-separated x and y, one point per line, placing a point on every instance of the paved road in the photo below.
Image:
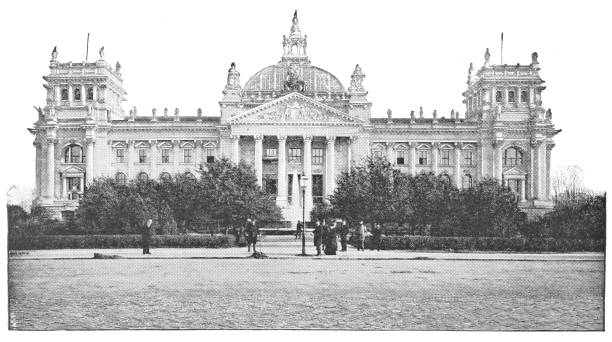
285	247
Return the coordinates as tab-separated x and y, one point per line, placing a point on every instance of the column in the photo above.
70	94
236	149
282	169
177	157
390	155
89	160
498	161
64	188
58	94
542	171
258	159
308	172
434	156
95	92
349	158
523	190
153	159
532	173
413	158
83	95
458	165
198	153
130	160
50	169
330	165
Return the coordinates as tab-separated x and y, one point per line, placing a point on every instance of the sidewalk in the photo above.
285	247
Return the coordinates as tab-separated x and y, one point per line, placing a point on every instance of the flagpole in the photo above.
502	48
87	51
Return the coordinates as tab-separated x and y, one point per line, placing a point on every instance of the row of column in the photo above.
153	158
70	88
89	167
538	183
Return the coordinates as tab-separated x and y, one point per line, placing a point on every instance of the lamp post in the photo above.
303	185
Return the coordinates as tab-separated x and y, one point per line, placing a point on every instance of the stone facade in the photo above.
291	118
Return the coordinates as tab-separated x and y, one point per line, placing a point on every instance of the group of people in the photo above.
326	236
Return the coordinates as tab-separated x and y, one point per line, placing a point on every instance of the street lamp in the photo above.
303	185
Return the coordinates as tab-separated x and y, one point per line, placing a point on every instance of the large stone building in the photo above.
291	118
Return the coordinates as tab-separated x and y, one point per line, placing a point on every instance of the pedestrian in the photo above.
343	231
146	236
331	243
299	229
325	231
376	237
255	232
318	236
361	232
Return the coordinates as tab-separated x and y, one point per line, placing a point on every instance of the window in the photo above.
377	152
468	157
73	154
400	157
74	183
165	176
513	156
210	155
142	155
445	177
423	157
89	93
143	177
511	97
498	96
467	181
77	93
190	175
120	178
120	155
445	157
187	155
317	188
514	185
165	155
524	96
317	156
64	92
270	185
270	153
295	155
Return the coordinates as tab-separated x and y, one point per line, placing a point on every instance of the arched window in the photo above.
524	96
120	178
467	181
90	94
511	96
513	156
77	93
498	96
73	154
378	151
165	176
64	94
143	177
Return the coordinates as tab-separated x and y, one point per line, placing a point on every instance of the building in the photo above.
291	118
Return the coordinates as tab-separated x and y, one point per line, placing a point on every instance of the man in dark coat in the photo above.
343	231
376	236
318	236
146	236
254	234
325	231
248	231
331	243
299	229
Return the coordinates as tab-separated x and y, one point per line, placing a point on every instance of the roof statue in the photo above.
41	114
421	112
487	56
534	58
117	67
101	52
295	28
54	54
357	80
293	82
470	71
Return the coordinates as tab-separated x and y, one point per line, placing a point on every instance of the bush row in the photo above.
486	244
118	241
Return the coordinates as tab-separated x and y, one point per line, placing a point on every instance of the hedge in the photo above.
415	242
118	241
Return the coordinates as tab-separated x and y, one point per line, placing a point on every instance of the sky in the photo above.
176	54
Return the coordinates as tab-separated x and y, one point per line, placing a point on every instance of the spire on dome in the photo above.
294	46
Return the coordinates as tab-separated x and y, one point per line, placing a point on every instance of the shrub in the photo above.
117	241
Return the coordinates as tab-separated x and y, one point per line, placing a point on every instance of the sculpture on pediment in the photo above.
285	45
470	71
548	114
293	81
165	111
117	67
389	114
233	78
41	114
357	80
54	54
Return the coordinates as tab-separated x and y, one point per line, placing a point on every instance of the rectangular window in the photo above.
270	185
74	183
317	188
77	93
511	98
64	92
524	96
187	154
295	155
270	153
317	156
90	94
120	155
142	155
498	96
423	157
445	157
165	155
210	155
468	157
400	157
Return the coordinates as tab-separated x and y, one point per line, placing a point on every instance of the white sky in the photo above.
176	54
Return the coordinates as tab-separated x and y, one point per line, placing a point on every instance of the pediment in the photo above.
294	109
72	170
514	172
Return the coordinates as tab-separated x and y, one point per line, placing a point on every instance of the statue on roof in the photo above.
534	58
293	81
41	114
101	52
470	71
487	56
295	28
233	77
54	54
117	67
357	80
